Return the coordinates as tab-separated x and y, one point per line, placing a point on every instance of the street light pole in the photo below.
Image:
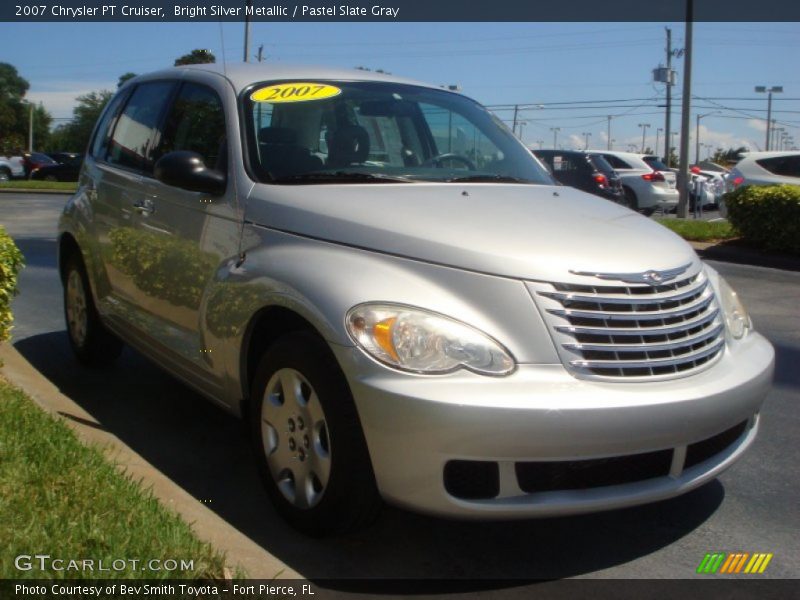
697	136
247	30
686	107
644	127
658	135
609	132
586	135
555	131
774	89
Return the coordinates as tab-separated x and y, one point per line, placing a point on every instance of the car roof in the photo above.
770	154
621	154
242	75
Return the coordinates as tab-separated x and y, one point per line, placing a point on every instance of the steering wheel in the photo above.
436	161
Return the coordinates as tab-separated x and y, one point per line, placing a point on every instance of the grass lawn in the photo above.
62	498
700	231
62	186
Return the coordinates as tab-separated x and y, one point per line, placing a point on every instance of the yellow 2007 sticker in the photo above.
294	92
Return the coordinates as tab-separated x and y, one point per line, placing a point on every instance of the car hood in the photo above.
521	231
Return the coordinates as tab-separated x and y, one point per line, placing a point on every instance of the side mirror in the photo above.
187	170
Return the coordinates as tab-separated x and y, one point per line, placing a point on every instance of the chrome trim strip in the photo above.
702	336
633	316
650	277
703	319
618	299
651	363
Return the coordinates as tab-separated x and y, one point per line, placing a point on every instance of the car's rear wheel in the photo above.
5	174
308	441
629	200
92	343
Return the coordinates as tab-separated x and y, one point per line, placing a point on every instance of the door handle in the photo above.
144	207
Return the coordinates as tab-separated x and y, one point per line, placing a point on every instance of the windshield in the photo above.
314	132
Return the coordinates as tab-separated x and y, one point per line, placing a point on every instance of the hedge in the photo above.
768	215
11	261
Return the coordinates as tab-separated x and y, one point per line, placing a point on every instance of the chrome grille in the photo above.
634	331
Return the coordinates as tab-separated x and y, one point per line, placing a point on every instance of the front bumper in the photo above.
415	425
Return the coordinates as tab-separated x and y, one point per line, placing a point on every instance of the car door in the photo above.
119	152
187	236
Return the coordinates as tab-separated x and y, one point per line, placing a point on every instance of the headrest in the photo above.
277	135
348	144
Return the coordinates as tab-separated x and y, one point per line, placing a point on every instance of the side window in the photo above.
197	123
617	162
788	166
136	133
100	142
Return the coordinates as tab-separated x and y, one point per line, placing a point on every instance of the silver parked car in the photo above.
392	290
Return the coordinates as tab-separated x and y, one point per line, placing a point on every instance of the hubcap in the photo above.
77	316
296	440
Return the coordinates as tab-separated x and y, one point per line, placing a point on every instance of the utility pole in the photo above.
669	98
609	132
686	107
247	30
586	136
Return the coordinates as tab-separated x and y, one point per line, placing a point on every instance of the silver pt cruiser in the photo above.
400	300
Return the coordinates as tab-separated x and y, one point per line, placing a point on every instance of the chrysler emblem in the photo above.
650	277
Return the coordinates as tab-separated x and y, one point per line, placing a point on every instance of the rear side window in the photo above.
616	162
197	123
600	163
136	132
788	166
655	163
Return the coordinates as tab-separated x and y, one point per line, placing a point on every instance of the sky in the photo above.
570	76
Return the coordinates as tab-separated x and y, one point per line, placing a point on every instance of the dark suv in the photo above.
583	170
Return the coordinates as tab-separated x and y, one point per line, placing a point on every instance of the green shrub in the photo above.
11	261
767	215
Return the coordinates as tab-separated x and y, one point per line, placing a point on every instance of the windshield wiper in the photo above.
343	177
488	179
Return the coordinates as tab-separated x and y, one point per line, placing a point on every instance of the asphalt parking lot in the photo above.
752	507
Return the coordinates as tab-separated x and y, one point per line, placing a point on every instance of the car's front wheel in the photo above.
309	445
92	343
5	174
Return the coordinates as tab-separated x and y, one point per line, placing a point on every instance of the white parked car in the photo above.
647	186
11	167
766	168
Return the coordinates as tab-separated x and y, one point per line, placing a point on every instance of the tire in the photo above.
91	342
630	199
51	178
5	174
313	437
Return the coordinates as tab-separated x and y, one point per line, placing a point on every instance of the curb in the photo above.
27	191
240	550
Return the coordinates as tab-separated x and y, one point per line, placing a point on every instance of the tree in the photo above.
729	156
196	57
123	78
15	114
74	136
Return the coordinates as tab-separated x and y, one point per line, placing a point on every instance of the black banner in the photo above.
711	588
397	10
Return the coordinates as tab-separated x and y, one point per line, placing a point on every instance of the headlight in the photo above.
736	318
416	340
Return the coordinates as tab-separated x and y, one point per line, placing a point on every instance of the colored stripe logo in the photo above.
736	562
